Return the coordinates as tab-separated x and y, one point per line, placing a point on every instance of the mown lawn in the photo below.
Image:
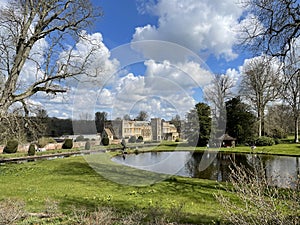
72	182
288	149
92	181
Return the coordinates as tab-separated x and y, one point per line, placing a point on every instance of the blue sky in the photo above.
154	55
121	18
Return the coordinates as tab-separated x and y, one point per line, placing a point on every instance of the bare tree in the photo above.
220	90
273	25
34	32
216	94
260	85
291	91
278	122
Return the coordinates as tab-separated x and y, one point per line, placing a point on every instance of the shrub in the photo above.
87	145
79	138
256	201
105	141
68	144
11	210
264	141
11	147
132	139
140	139
31	150
42	142
277	141
177	140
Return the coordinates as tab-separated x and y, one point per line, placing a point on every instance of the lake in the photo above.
281	170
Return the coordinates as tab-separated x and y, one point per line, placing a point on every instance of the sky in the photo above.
154	55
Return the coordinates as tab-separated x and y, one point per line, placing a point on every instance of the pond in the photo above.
281	170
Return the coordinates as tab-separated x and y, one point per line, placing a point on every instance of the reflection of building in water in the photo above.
155	130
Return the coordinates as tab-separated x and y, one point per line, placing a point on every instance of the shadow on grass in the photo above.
74	168
123	208
121	174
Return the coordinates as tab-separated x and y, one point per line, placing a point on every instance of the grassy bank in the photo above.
288	149
72	182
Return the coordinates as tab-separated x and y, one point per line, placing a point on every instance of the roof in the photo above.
226	137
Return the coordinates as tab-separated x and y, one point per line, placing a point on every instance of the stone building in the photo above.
155	130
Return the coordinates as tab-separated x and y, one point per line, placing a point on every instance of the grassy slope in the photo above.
71	181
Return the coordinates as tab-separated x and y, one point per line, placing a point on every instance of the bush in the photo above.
11	147
87	145
42	142
132	139
68	144
256	201
264	141
177	140
11	210
277	141
140	139
79	138
105	141
31	150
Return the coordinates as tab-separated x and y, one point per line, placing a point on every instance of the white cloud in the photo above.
91	50
207	25
82	94
32	72
186	75
164	91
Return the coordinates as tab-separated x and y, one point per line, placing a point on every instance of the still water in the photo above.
280	170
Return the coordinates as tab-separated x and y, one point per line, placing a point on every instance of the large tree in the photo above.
176	121
197	128
260	85
33	34
278	123
100	118
273	25
216	94
291	90
240	120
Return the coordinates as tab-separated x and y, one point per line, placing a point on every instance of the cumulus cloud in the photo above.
91	52
207	25
186	75
83	91
163	91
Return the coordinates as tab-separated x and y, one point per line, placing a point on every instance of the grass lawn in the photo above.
72	182
288	149
92	181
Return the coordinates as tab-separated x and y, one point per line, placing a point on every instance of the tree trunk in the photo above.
259	123
296	140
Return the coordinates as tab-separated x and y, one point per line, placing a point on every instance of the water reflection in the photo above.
280	170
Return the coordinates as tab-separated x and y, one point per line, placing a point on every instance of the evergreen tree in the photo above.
240	121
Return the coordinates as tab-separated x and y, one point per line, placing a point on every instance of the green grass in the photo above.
289	149
95	181
72	182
